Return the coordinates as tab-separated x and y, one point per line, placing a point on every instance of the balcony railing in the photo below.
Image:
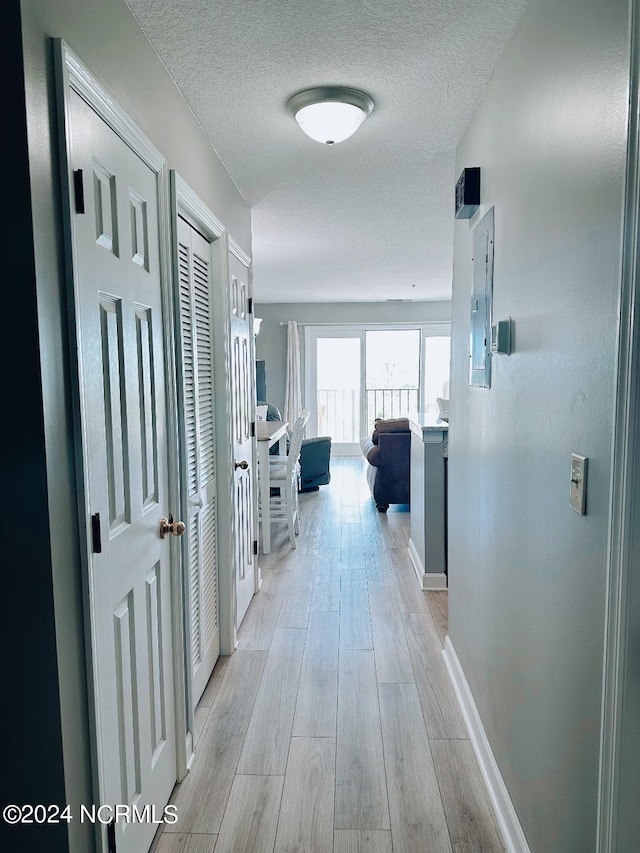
390	403
339	411
339	415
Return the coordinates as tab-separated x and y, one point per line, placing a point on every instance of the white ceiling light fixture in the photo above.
330	114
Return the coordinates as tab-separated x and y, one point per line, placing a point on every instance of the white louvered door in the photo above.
199	448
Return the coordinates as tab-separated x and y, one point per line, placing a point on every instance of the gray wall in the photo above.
106	38
271	343
527	574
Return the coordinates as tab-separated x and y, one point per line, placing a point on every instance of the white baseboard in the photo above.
417	562
427	581
190	753
512	834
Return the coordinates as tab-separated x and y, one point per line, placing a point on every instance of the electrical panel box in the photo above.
481	301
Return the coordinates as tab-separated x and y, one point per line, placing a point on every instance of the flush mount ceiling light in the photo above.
330	114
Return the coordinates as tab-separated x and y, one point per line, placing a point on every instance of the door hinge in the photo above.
253	429
78	189
251	305
96	534
111	836
255	547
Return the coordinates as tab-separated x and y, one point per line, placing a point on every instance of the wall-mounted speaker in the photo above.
468	193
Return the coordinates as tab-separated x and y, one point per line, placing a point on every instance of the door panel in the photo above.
242	402
199	448
123	409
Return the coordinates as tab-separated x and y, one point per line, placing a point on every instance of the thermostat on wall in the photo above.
501	337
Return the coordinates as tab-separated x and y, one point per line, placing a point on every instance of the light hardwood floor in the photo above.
334	728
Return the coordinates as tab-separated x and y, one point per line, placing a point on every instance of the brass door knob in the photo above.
169	526
244	465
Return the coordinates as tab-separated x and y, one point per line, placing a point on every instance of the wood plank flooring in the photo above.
334	728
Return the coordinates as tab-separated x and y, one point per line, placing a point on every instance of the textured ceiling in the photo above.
372	217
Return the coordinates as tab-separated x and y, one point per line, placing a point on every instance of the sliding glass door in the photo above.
355	374
437	354
392	373
334	386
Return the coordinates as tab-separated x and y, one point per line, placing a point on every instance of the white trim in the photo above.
378	324
622	537
80	79
431	328
415	559
173	453
239	253
512	834
190	749
72	75
63	106
189	203
427	580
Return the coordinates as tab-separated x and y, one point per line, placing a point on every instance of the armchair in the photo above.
314	463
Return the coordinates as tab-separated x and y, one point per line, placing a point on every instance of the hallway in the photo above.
334	726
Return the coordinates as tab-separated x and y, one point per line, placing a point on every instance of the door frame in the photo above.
187	203
73	76
623	539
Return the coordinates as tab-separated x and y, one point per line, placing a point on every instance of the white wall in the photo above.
527	574
271	343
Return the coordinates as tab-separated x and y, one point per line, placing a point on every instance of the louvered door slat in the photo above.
202	301
209	592
189	390
194	591
194	270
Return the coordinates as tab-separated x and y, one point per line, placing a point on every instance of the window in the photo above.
355	374
392	375
437	355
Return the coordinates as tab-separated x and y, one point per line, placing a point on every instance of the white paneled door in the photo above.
121	376
243	411
199	452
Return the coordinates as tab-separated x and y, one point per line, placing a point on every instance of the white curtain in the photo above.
292	392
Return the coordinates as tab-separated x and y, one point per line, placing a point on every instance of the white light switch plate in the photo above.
578	498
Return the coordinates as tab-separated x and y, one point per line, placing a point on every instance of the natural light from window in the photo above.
358	374
437	354
338	388
392	373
